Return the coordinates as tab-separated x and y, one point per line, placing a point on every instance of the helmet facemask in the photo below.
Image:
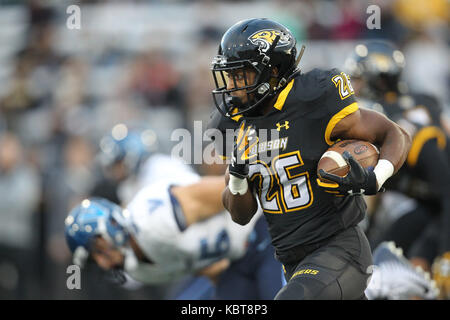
240	74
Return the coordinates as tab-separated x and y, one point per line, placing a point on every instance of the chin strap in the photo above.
300	55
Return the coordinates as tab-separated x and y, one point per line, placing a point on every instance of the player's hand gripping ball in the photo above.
347	168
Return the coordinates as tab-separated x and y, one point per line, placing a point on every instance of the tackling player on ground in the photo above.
313	225
173	230
166	232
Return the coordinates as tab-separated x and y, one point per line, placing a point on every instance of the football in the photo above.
362	151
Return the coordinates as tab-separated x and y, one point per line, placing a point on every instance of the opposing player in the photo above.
313	225
166	232
131	155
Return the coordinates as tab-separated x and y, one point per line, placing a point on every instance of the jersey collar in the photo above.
279	104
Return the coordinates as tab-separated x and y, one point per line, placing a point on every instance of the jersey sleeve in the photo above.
154	215
338	98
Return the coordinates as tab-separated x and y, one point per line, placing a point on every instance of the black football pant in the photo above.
338	270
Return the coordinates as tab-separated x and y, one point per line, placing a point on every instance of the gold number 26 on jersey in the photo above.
279	189
342	82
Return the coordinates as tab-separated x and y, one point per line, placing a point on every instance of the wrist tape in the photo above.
237	185
383	170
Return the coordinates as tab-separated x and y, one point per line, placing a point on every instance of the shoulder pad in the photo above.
314	84
311	85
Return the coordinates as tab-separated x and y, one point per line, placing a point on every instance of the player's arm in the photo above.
242	206
372	126
237	197
201	200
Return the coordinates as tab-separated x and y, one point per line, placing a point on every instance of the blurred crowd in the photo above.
146	64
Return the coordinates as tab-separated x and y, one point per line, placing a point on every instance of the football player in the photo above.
166	232
260	92
376	67
131	155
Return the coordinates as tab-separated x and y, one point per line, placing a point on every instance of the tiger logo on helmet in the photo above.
265	38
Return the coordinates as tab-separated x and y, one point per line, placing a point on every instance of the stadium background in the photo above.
144	63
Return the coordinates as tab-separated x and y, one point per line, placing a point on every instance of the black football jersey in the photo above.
292	138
